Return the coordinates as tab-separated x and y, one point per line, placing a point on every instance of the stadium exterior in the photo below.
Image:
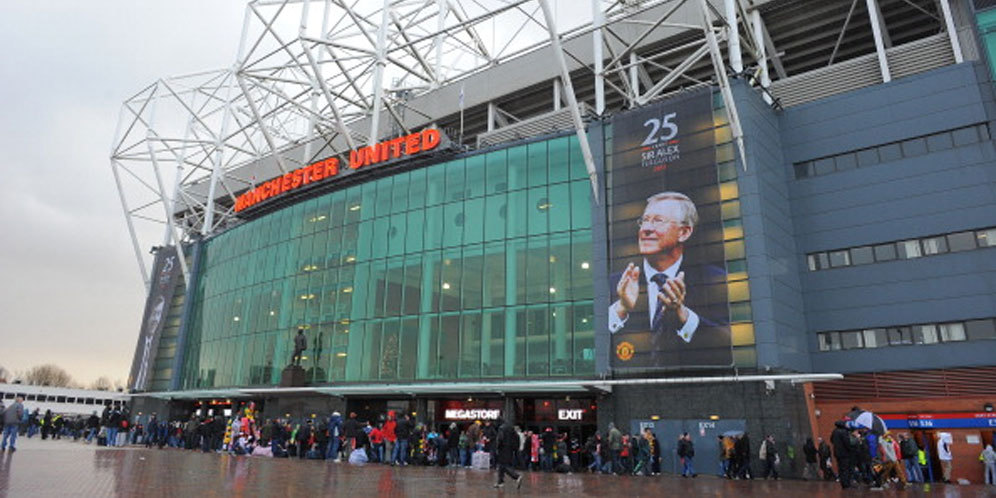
839	156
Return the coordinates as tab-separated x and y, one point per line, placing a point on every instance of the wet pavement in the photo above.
61	468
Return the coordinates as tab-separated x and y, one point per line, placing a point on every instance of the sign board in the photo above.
385	152
476	414
963	420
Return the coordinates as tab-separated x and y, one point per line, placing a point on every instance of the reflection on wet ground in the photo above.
57	468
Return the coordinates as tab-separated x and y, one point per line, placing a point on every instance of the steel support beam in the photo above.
733	36
949	26
876	25
572	102
598	20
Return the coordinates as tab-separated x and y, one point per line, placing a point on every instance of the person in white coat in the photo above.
944	441
988	458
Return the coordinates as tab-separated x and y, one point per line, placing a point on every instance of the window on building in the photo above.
986	238
952	332
939	142
851	339
914	147
925	334
961	241
830	341
839	258
900	336
885	252
867	157
803	170
875	338
981	329
934	245
909	249
846	161
824	166
818	261
890	152
965	136
862	255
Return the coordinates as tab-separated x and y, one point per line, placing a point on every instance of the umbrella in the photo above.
732	433
870	421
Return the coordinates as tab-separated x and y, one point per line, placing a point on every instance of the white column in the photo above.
598	20
876	25
733	40
634	79
378	77
762	50
949	25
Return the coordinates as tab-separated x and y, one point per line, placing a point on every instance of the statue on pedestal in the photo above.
300	345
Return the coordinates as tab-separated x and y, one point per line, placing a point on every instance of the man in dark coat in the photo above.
507	442
843	451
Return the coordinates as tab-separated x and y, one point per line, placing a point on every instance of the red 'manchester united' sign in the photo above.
327	168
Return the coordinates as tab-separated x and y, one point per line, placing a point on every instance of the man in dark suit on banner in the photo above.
657	318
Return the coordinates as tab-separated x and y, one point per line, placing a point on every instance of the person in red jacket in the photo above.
387	431
377	442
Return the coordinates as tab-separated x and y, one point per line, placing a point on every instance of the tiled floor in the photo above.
61	468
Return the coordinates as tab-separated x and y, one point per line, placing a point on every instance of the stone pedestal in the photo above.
293	376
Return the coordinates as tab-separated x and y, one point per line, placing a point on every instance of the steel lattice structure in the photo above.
316	78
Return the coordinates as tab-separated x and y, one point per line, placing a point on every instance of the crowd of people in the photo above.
863	457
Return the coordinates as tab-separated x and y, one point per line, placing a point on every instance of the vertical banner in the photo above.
166	271
667	277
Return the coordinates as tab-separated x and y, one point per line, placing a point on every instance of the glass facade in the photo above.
474	268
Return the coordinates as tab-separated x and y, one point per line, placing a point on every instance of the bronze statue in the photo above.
300	344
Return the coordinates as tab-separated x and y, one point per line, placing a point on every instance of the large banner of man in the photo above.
667	278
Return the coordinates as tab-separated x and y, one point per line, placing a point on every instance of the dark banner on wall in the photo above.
166	271
667	278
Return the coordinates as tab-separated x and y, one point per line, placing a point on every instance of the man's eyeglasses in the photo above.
655	221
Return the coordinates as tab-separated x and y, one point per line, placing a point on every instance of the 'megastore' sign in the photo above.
387	150
458	414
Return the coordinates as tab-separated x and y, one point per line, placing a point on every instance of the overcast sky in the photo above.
71	293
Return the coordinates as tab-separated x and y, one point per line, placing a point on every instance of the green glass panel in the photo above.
417	194
537	168
470	345
517	168
473	221
537	270
385	193
473	276
560	267
497	172
381	231
493	285
397	234
408	348
412	293
390	349
449	345
517	212
538	343
561	339
455	176
515	272
415	221
453	224
435	184
560	207
434	227
494	217
476	171
559	159
580	204
368	200
493	343
538	208
451	284
399	192
578	168
354	205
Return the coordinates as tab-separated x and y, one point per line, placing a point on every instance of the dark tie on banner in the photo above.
657	325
